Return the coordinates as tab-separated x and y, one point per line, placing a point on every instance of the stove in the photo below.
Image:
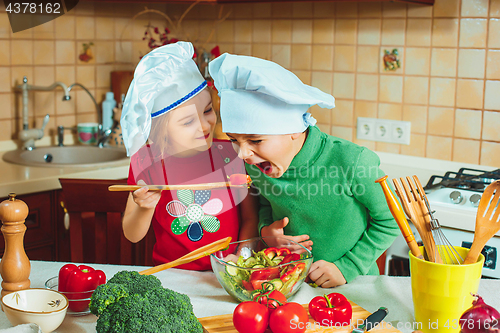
454	198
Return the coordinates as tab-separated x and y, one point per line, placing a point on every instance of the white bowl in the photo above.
44	307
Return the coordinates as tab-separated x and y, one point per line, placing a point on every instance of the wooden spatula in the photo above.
487	221
191	256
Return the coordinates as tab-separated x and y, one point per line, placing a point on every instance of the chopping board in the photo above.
224	323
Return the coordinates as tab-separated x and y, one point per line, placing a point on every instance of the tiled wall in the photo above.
447	85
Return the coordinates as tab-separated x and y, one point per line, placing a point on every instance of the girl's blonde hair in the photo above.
158	134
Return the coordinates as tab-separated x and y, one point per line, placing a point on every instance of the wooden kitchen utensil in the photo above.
487	220
235	180
413	206
206	186
445	249
224	323
400	218
15	266
191	256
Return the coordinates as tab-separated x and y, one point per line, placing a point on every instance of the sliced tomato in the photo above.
257	284
289	258
265	274
247	285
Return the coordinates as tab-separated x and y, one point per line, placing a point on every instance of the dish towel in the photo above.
24	328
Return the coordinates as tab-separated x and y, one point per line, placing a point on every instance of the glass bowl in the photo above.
78	301
242	269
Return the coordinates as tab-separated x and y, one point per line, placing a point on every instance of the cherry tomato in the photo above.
289	318
269	299
250	317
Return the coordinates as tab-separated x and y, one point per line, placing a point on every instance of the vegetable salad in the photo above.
276	266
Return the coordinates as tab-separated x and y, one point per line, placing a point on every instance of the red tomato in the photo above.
250	317
270	299
257	284
289	318
247	285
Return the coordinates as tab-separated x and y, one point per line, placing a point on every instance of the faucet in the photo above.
103	134
26	135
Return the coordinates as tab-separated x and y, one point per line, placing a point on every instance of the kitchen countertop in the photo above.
26	179
22	179
209	299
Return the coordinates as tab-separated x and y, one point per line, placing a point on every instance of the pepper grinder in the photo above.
15	266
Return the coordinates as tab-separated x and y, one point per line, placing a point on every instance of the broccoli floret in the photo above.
105	295
135	282
130	302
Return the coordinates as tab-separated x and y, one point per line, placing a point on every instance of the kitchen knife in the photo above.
372	320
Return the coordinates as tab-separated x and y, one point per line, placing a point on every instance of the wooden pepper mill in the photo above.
15	266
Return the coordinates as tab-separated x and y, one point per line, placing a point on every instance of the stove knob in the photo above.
474	199
456	197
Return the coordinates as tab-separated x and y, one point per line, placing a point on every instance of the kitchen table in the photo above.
209	299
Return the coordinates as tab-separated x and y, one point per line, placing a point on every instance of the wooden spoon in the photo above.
487	221
194	187
191	256
399	216
407	192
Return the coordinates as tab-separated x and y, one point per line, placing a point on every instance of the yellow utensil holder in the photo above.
441	292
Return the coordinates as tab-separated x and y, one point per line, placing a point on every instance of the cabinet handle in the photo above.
66	216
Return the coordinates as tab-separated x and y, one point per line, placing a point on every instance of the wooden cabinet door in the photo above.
40	236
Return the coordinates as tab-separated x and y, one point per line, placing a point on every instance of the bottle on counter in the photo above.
107	110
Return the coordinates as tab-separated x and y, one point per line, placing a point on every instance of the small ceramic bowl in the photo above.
46	308
78	301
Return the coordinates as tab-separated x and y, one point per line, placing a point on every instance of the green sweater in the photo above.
329	193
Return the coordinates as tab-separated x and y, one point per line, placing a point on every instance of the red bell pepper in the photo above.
289	258
331	310
79	282
293	271
271	252
283	251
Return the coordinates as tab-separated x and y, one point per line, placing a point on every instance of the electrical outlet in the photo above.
365	129
384	130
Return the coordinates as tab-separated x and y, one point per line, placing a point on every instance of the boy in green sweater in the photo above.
314	188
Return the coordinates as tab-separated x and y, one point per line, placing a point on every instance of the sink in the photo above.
67	156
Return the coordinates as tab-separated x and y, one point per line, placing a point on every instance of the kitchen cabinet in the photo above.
47	239
41	236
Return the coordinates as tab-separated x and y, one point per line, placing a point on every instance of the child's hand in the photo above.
145	198
276	229
325	274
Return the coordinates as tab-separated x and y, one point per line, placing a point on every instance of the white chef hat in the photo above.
260	97
164	79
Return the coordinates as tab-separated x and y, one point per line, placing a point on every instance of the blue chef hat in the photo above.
261	97
164	79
